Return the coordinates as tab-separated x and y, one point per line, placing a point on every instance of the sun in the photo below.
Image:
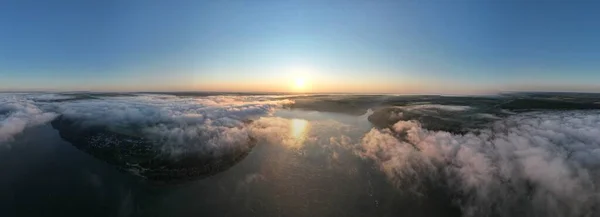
300	79
300	83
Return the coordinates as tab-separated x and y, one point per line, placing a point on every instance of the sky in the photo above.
445	46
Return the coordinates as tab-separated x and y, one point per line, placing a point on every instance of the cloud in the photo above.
528	164
48	97
540	164
451	108
488	116
179	125
18	113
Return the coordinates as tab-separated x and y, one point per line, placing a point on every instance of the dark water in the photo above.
45	176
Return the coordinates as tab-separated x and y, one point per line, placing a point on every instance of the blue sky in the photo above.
335	46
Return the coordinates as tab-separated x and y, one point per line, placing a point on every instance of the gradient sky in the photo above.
445	46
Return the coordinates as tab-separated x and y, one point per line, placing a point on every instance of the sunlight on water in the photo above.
298	131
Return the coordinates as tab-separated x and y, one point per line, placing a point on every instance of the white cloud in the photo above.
18	113
544	164
179	124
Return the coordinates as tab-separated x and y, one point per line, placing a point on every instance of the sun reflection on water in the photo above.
298	131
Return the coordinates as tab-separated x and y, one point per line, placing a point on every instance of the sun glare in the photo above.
300	82
300	78
298	132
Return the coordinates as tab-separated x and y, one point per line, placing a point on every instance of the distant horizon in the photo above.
294	93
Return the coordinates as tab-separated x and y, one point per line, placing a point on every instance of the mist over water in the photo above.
278	155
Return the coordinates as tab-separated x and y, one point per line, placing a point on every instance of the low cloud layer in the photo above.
208	124
18	112
180	125
451	108
534	164
527	164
